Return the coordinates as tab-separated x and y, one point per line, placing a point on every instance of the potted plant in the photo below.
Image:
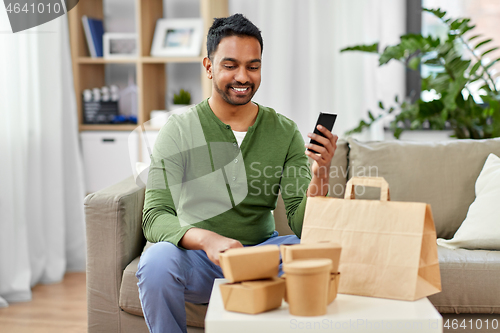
181	99
450	81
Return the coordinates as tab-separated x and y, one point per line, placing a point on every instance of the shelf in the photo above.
151	72
148	60
106	127
162	60
89	60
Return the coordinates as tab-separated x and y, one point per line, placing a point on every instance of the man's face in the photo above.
236	69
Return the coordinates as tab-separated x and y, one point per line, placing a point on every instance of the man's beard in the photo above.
225	94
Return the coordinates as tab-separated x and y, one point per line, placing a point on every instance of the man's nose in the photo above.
242	75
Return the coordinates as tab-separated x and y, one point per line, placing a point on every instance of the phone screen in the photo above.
326	120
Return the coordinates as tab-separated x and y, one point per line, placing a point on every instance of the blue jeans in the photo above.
168	276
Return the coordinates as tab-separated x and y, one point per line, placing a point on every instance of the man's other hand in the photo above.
208	241
216	244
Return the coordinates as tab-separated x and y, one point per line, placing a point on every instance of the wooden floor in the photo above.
55	308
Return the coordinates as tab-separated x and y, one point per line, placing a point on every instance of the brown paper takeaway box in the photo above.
333	287
328	250
253	296
250	263
307	284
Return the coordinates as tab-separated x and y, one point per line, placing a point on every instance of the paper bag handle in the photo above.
367	181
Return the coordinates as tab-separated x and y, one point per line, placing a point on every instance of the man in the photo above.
214	179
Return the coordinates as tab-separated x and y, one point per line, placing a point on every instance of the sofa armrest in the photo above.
114	238
280	220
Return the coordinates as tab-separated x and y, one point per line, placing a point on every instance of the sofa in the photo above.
442	174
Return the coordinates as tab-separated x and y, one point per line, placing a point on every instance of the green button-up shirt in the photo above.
200	177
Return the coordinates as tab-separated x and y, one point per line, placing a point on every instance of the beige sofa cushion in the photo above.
469	279
442	174
130	302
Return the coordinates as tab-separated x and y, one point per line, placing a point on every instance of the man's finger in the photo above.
320	139
325	131
327	143
314	156
317	148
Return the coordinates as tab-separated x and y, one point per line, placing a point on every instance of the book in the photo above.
94	30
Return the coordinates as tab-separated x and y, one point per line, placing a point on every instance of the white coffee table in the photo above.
347	313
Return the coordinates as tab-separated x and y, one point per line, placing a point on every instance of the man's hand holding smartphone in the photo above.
322	146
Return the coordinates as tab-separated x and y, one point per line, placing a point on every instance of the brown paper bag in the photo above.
389	248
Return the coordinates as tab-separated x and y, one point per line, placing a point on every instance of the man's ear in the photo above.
207	63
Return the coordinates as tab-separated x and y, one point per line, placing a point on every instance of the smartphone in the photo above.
326	120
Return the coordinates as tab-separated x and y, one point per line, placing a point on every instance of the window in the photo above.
485	14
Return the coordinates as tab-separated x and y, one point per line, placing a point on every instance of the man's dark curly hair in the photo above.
234	25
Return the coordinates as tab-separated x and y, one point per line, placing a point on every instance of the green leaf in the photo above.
474	68
397	132
415	124
437	12
362	48
381	105
492	63
482	43
431	43
466	27
490	50
439	83
414	63
493	103
412	43
455	24
391	52
444	114
475	36
485	87
433	62
488	112
372	118
396	99
429	109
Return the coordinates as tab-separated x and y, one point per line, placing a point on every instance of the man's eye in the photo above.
254	68
229	66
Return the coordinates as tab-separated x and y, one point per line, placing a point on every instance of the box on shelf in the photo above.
318	250
253	296
250	263
99	112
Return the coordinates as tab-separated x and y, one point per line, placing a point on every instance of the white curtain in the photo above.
303	71
42	232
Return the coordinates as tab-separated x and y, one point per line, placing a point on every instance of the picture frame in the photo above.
177	38
119	45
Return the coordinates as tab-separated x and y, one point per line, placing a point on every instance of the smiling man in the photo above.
198	200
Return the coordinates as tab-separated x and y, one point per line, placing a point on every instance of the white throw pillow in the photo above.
481	227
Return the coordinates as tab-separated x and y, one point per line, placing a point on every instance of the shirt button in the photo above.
235	160
228	127
234	178
235	144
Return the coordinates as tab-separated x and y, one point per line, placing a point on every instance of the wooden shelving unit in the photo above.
150	71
